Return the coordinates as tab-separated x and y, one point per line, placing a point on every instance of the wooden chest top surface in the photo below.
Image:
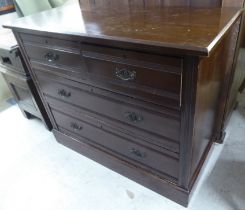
193	29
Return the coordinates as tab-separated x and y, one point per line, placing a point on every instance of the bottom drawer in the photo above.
95	133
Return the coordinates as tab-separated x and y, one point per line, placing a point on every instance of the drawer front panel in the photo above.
61	71
150	77
135	153
163	129
50	42
64	62
74	111
166	63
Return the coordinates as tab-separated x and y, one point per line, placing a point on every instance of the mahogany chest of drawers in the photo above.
141	98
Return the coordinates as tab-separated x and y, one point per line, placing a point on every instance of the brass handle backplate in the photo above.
138	153
51	57
125	74
133	117
64	93
76	127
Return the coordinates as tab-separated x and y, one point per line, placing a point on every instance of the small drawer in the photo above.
51	42
61	62
150	77
153	126
97	135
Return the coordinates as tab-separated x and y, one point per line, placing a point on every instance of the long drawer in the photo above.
153	78
97	134
155	127
115	127
155	74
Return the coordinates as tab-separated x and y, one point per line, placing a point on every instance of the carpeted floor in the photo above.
37	173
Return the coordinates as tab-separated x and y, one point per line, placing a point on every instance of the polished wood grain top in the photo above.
195	30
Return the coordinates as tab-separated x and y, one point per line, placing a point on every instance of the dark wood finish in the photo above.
16	74
153	182
233	81
187	119
51	42
242	87
213	71
162	3
168	148
128	88
19	87
54	57
156	127
89	129
24	92
149	3
153	77
183	52
12	60
238	70
155	123
10	54
242	33
190	30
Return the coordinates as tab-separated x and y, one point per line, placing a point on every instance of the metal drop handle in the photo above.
125	74
51	57
133	117
64	93
76	127
138	153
